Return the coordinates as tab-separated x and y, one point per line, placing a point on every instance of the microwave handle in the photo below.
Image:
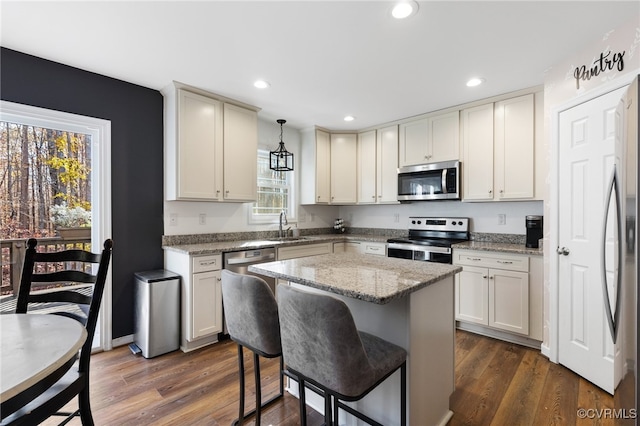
444	181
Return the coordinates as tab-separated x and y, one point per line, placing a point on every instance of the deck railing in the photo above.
13	257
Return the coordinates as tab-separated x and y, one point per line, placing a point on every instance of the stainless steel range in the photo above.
430	239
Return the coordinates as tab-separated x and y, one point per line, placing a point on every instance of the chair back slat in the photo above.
63	296
73	255
69	275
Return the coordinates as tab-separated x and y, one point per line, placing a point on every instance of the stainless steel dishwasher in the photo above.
239	261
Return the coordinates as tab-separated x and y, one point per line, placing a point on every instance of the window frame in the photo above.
263	153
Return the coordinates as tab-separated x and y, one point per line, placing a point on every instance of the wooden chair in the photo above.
38	403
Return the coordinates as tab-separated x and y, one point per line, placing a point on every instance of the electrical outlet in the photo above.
202	219
173	219
502	219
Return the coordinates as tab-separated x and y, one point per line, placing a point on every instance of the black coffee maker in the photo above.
534	230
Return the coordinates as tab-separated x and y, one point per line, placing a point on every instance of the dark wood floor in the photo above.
497	383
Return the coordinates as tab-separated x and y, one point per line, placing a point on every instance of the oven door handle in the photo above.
416	247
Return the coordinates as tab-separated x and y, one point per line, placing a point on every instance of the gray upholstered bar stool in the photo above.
251	314
321	346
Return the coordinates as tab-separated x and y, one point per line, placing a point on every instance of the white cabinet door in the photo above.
387	165
477	146
240	153
444	137
367	170
206	312
198	147
514	148
323	167
413	139
343	168
471	295
509	301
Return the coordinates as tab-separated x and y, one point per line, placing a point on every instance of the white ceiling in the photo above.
324	59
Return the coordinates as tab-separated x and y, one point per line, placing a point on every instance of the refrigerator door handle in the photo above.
612	317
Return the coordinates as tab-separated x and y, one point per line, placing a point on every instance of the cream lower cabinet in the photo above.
363	247
499	291
201	297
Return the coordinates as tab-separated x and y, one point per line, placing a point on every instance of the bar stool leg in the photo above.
327	410
303	403
241	373
403	394
256	368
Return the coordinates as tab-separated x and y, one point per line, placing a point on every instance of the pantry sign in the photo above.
606	62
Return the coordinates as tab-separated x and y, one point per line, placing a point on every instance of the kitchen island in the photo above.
406	302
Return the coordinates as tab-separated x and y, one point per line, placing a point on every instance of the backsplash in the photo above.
498	238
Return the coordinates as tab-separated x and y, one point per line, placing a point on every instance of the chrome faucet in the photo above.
283	220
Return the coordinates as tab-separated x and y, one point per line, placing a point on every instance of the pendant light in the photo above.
281	160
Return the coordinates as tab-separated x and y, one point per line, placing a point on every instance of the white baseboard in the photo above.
121	341
500	335
545	350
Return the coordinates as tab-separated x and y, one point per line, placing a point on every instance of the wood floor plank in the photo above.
520	401
559	400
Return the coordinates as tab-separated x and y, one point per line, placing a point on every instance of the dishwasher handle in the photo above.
250	260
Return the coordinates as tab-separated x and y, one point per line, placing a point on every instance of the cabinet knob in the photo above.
490	191
373	196
484	276
379	196
490	277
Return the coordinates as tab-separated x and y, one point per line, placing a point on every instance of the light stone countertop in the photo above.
227	246
499	247
365	277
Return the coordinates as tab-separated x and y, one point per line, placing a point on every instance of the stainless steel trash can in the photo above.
157	312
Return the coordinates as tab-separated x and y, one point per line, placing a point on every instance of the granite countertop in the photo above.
499	247
218	247
374	279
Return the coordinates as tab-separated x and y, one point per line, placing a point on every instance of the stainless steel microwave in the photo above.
434	181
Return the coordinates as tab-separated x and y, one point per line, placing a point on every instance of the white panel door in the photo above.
509	301
471	295
344	151
477	146
586	138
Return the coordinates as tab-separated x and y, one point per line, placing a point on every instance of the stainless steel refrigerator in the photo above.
623	314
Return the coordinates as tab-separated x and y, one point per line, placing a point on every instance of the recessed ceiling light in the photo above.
261	84
349	118
404	9
476	81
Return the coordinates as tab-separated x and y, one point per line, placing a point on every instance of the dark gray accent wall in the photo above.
135	113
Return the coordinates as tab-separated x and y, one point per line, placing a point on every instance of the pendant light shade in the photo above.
281	160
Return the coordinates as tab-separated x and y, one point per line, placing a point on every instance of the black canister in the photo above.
534	230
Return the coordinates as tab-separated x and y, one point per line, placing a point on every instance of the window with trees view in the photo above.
275	191
45	180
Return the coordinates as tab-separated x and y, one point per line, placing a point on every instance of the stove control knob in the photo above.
413	222
460	223
453	223
419	222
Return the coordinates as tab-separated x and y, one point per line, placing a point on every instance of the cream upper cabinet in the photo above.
514	148
477	147
343	168
240	153
499	143
367	180
431	139
387	165
193	146
210	147
315	167
377	166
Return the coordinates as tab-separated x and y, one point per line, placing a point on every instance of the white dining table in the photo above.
33	346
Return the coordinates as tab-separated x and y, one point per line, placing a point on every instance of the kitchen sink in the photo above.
287	239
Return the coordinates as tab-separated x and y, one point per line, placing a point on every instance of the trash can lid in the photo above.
157	275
